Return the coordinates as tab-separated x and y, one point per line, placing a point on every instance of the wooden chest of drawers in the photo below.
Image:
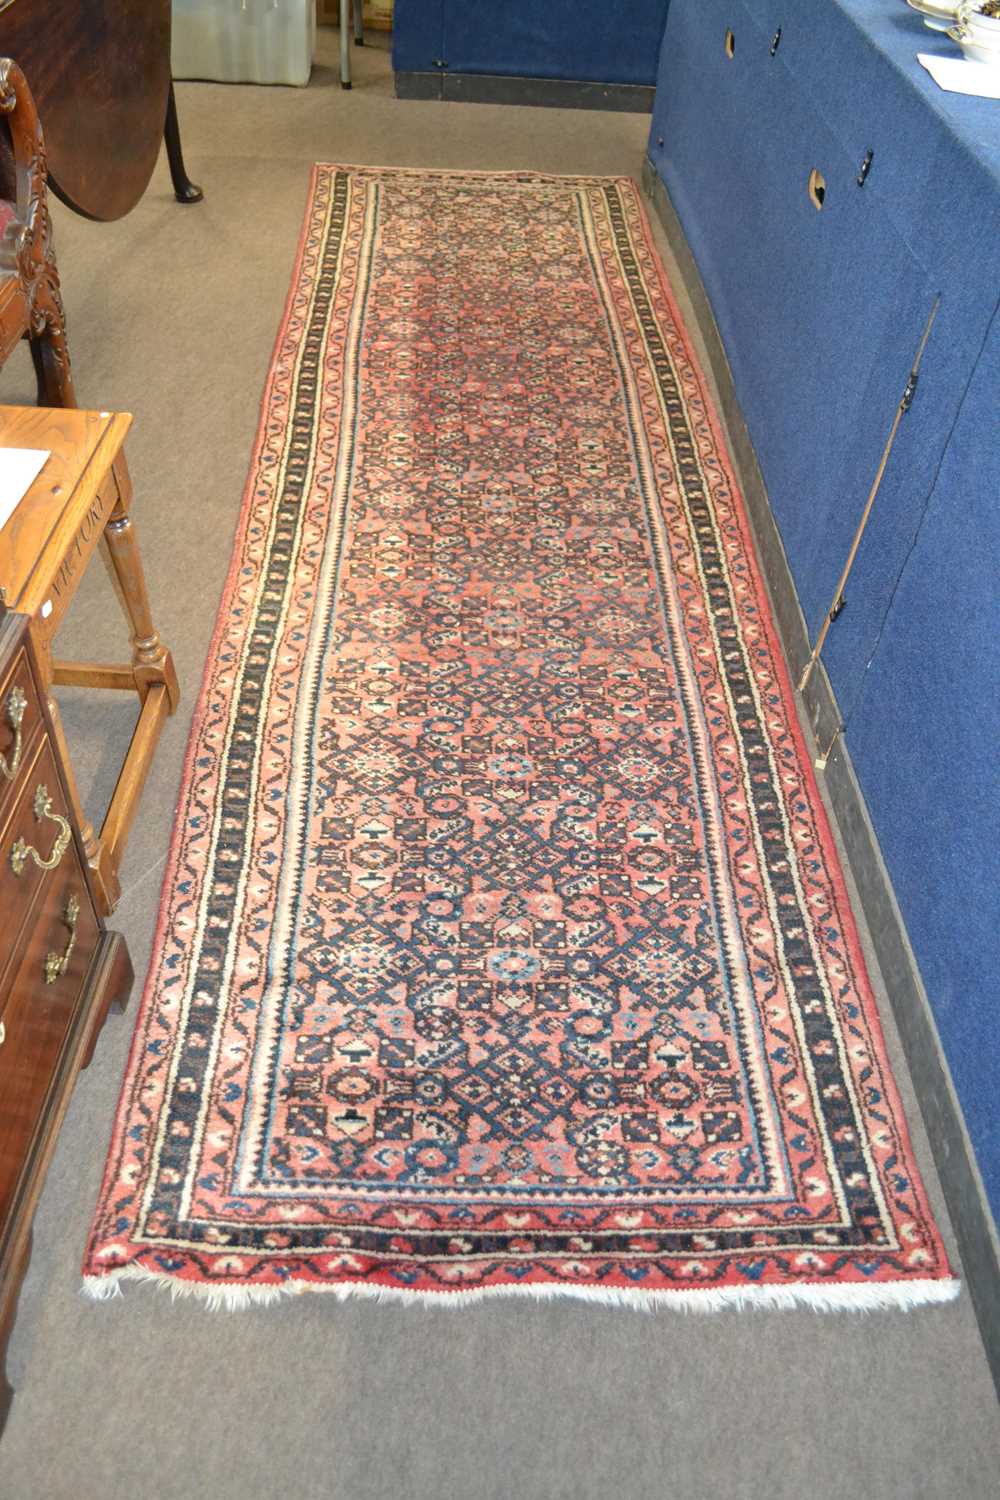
60	969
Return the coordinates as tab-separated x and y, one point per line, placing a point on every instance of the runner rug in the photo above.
503	945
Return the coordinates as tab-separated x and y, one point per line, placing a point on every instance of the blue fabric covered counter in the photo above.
585	40
821	311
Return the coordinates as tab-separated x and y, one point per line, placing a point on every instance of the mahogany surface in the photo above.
99	71
60	968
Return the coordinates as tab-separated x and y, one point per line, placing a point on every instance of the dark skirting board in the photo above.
553	93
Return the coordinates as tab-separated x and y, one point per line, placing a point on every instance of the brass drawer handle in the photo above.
16	704
20	852
3	1032
57	963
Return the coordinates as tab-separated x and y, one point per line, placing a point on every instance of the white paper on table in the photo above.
960	76
18	470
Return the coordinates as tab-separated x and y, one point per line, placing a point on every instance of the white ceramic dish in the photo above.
975	50
939	15
984	28
976	34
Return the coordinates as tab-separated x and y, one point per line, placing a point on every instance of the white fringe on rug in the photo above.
883	1296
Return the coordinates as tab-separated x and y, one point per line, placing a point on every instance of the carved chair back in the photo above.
30	301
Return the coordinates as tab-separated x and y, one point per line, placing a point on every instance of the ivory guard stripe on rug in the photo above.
503	945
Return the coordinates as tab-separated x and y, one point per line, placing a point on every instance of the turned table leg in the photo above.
151	660
185	191
153	676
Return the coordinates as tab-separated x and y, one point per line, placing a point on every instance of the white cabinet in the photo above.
244	41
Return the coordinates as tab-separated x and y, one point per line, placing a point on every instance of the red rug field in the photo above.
503	945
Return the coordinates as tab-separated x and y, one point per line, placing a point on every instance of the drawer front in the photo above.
35	844
40	1007
20	724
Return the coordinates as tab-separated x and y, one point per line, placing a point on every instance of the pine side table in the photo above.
81	498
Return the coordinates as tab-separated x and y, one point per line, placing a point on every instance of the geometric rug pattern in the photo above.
503	943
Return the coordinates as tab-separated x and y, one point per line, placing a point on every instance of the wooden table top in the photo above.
63	513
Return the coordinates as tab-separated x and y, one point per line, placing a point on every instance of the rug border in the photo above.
201	703
834	863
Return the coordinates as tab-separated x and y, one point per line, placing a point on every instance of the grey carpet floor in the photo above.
172	315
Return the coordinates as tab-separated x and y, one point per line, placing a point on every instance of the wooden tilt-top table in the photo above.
81	498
